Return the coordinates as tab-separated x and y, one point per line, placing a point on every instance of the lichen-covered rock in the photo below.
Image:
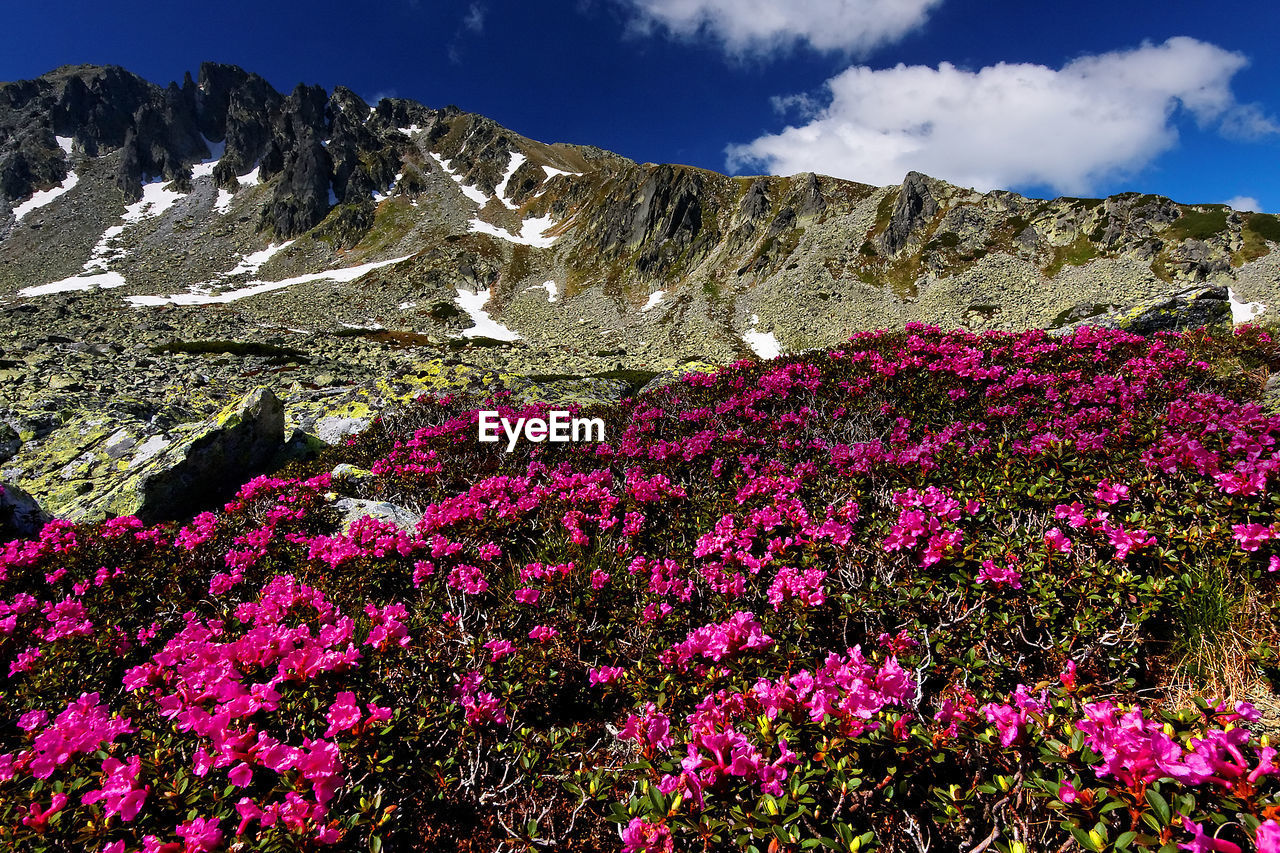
668	377
1271	394
195	467
1187	309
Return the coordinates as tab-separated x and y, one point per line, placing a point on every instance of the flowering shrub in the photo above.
903	594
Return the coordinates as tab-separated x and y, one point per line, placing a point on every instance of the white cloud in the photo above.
1244	202
1009	124
758	26
474	20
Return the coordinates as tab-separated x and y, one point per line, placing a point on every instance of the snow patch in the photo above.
405	306
550	287
338	276
65	142
551	173
1244	312
533	232
517	159
204	169
156	199
484	325
223	203
105	280
253	262
250	179
470	192
42	197
410	130
763	344
654	299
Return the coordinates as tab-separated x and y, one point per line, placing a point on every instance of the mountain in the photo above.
165	249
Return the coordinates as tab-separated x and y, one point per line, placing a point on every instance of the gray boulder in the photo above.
354	509
20	516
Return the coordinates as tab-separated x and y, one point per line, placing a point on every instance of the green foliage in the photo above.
1199	224
1265	225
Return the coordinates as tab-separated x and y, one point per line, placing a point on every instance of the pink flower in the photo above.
38	819
1268	837
997	576
1250	536
200	835
640	836
1055	539
1067	792
651	730
543	633
33	720
498	649
344	714
1068	676
1202	843
1072	512
599	579
120	789
1109	493
527	595
606	674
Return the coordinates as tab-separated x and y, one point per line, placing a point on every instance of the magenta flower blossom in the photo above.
1251	536
543	633
498	649
120	791
1057	541
1110	493
605	674
38	818
1268	837
653	730
200	835
1202	843
998	576
344	714
640	836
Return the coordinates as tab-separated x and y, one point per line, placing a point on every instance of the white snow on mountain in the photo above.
338	276
763	344
42	197
482	324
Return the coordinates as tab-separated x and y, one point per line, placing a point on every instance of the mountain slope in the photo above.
188	192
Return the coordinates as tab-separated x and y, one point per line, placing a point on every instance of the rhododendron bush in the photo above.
924	591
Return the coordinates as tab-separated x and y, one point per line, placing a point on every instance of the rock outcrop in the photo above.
193	468
20	515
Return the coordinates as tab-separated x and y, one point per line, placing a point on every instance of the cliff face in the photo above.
221	191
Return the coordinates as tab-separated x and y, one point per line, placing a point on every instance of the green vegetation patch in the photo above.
1265	225
1199	224
1077	253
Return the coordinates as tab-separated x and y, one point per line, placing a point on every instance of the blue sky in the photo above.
1087	98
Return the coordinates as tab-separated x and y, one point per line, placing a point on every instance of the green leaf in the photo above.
1160	806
